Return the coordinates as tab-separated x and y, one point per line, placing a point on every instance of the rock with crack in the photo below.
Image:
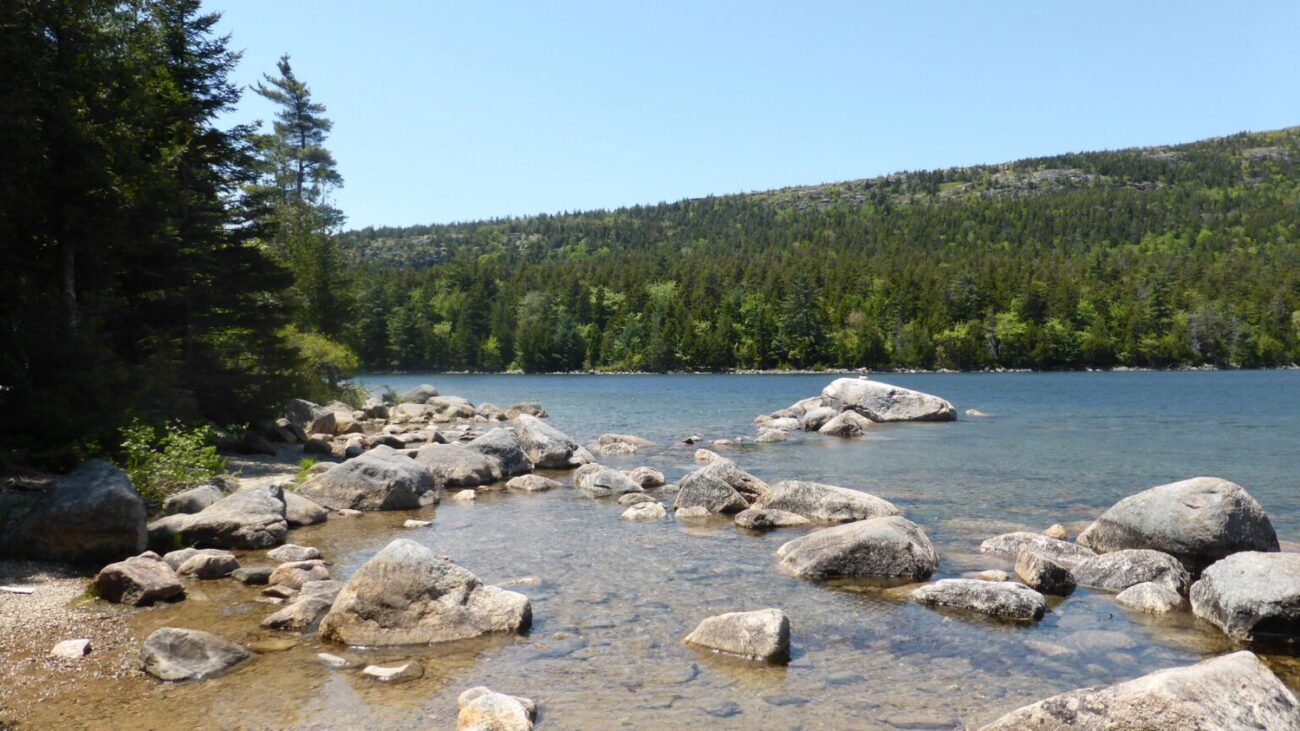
406	595
1234	691
998	599
891	548
171	653
758	635
1197	521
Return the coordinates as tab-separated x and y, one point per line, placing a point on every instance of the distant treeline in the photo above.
1167	257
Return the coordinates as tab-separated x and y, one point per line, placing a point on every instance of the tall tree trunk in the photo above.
72	310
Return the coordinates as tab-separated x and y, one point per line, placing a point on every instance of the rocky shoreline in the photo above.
1202	546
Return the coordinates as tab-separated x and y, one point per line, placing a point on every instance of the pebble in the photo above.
395	673
333	661
417	524
71	649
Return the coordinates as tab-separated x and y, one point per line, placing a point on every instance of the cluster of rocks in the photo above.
850	407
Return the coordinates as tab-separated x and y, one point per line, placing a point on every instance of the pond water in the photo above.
612	599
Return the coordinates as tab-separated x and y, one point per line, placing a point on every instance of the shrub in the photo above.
162	462
304	470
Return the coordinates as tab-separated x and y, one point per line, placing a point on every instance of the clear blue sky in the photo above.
453	111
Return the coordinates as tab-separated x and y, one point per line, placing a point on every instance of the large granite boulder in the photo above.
407	595
1119	570
250	519
1011	544
824	503
1197	521
891	548
1252	596
381	479
882	402
546	446
455	466
999	599
90	515
759	635
719	487
1234	691
188	654
502	445
138	581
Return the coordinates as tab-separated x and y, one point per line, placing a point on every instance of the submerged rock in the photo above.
381	479
824	503
188	654
879	548
1252	596
410	670
138	581
882	402
1121	569
1197	521
759	635
406	595
482	709
1235	691
293	552
653	510
646	477
532	483
1000	599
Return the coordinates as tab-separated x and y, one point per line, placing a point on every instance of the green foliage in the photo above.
164	461
1168	257
304	470
322	365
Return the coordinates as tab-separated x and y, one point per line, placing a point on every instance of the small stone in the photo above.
417	524
280	592
464	496
695	513
1058	532
1151	598
764	519
758	635
253	576
293	552
645	511
349	513
990	575
13	589
632	498
395	673
296	573
274	644
332	661
71	649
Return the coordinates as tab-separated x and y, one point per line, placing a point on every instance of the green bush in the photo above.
304	470
162	462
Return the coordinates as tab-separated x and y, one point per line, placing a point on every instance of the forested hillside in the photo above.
1163	257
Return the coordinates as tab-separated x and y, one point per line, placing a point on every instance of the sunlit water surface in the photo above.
616	598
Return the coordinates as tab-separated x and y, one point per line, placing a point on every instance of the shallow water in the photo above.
615	598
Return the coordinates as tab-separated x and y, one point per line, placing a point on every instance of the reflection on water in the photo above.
612	599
